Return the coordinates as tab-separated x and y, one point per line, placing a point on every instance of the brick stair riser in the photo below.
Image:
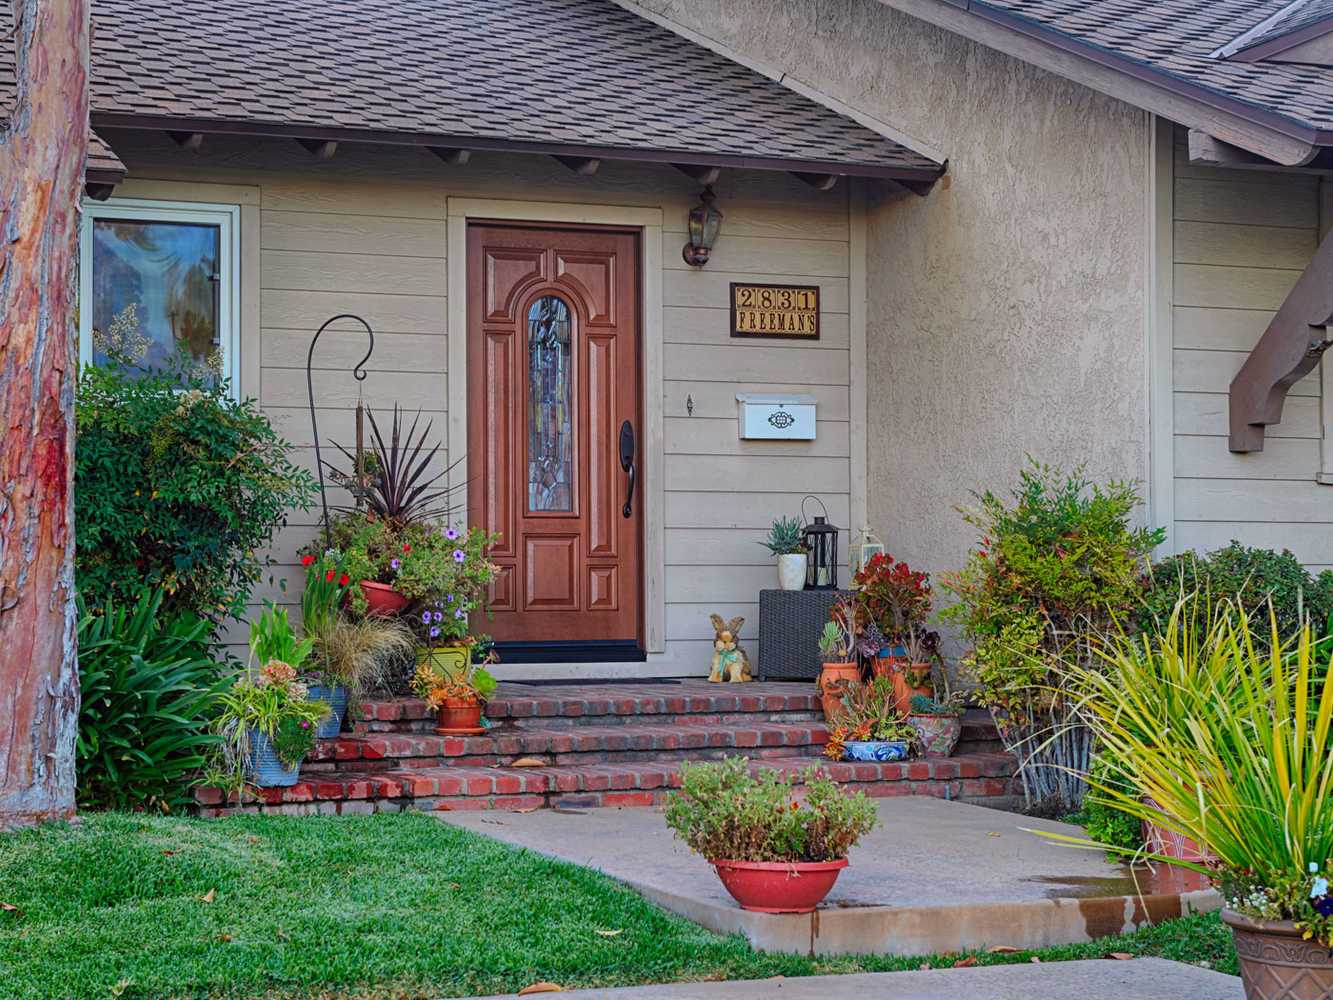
426	725
678	755
982	791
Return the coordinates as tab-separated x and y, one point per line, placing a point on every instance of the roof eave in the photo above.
1259	130
897	172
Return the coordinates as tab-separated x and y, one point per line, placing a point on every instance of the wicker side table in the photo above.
790	622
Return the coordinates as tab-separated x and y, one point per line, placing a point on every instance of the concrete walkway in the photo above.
1140	979
935	877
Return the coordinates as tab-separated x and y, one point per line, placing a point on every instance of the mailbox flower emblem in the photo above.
781	419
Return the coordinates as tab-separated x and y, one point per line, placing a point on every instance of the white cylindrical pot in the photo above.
791	571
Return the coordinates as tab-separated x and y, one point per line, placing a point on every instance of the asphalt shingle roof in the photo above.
1176	37
1293	17
568	72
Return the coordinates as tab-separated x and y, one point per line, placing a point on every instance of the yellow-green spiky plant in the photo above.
1219	742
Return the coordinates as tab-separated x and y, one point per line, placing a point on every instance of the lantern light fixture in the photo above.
821	544
705	221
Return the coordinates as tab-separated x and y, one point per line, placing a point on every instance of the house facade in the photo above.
1012	254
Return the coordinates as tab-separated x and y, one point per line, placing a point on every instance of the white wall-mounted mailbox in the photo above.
782	416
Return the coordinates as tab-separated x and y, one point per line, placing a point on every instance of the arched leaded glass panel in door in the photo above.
550	406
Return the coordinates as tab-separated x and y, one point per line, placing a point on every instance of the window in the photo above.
157	278
550	407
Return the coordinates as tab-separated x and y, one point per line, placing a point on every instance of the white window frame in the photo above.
228	220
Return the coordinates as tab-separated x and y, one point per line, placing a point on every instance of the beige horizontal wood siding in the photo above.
1240	241
367	233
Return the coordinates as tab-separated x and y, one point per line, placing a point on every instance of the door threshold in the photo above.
579	651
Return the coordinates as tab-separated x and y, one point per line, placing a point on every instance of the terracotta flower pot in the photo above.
1169	844
937	735
459	717
1277	963
903	690
779	886
833	681
383	600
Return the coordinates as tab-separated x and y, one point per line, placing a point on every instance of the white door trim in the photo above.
649	222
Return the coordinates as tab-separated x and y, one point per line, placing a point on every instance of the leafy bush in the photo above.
1104	822
1055	567
724	813
149	691
176	488
1251	577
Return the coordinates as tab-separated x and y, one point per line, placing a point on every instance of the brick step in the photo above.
972	777
696	739
540	707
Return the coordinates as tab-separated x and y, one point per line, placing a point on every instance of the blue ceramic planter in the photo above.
876	750
335	696
266	768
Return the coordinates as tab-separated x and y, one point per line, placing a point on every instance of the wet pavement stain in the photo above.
1140	881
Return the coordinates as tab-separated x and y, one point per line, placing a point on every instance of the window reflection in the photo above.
155	292
550	407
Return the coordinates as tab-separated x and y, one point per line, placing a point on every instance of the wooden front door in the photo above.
554	434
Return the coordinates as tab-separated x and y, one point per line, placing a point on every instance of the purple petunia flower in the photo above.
1324	906
460	613
425	617
394	564
450	534
459	555
434	632
450	598
439	616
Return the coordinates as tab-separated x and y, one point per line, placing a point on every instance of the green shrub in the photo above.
1055	567
177	488
1248	576
725	813
149	690
1104	822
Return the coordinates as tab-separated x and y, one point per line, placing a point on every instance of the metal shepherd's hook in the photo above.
358	373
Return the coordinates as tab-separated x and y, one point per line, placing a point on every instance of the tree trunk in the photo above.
42	156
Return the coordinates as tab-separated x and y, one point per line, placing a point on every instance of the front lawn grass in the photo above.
391	906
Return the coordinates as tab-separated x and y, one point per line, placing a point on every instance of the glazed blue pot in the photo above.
266	767
876	750
335	696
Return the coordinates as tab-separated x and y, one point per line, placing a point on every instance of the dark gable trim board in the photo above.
1249	126
104	120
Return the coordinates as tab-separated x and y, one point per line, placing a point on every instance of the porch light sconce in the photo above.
705	221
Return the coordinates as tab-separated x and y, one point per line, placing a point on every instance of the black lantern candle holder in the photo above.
821	546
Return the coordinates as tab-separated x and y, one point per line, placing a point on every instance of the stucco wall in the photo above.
367	232
1006	311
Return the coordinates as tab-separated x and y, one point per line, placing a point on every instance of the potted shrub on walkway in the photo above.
1240	762
773	852
786	540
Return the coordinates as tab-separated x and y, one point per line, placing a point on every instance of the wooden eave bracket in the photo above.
187	140
1288	351
820	182
699	172
320	149
1206	150
584	166
451	155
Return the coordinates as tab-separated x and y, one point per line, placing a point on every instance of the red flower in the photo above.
328	577
406	547
307	560
344	580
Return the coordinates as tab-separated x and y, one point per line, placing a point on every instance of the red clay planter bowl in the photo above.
382	599
779	886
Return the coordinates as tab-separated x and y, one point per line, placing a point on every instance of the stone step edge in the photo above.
464	782
536	707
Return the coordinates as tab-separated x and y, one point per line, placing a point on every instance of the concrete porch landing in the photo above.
1141	979
936	876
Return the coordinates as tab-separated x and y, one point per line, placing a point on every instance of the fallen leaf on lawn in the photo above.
615	933
965	963
455	885
528	762
528	991
1002	949
1120	956
253	839
224	938
10	908
209	896
167	854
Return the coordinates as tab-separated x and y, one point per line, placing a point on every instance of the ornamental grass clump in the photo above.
724	813
1056	566
1226	741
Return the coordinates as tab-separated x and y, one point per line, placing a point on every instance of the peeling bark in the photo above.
42	154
